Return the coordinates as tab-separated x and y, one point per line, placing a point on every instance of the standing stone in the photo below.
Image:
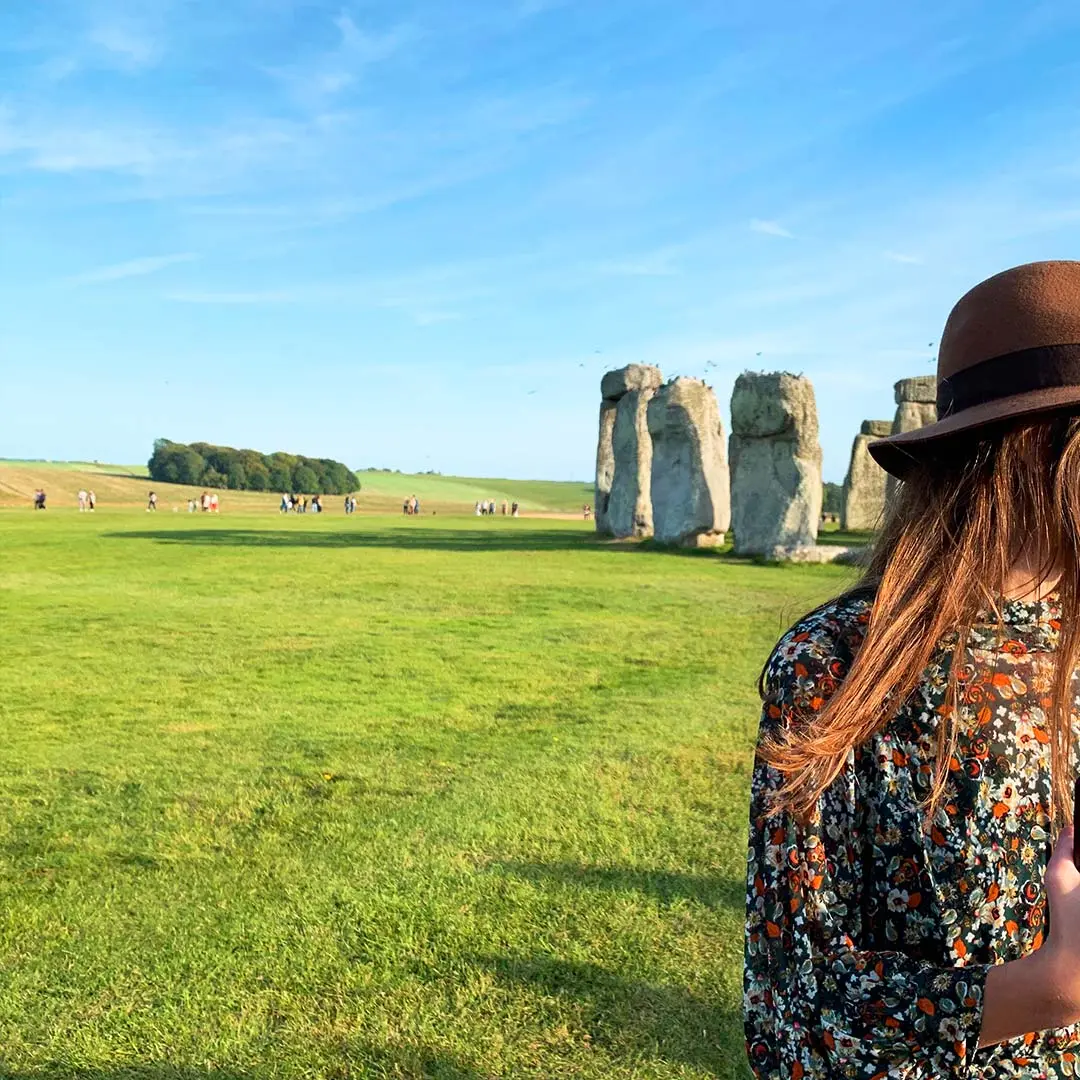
916	403
916	406
623	502
864	485
605	465
691	495
775	457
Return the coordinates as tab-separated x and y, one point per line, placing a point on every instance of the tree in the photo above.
237	475
833	499
305	480
258	477
208	465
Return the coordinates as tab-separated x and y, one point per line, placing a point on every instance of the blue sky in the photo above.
415	234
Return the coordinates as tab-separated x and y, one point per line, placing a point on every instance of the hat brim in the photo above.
897	454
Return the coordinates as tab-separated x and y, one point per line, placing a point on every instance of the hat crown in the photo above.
1025	307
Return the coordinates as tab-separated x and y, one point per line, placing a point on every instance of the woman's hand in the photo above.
1041	991
1062	884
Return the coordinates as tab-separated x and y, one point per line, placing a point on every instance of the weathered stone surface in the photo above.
605	466
817	553
912	415
629	506
632	377
691	493
878	428
775	464
921	389
916	406
864	485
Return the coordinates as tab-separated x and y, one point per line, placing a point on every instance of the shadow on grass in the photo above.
419	539
631	1017
423	539
665	886
371	1063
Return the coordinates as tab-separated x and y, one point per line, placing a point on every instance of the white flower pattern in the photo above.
868	934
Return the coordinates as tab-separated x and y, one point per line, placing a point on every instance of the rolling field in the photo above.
328	797
380	492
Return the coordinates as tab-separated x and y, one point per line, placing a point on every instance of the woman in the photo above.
909	910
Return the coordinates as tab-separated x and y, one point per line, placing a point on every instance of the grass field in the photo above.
374	797
380	492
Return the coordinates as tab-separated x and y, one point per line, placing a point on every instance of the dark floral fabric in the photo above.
869	935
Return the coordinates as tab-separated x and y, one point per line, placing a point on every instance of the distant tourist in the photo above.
39	499
505	507
514	510
204	502
587	511
192	505
406	507
478	510
91	500
151	503
284	507
415	505
491	507
82	500
213	502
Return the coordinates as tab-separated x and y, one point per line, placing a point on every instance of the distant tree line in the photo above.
205	465
833	498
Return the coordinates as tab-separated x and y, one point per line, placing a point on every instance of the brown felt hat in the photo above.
1010	349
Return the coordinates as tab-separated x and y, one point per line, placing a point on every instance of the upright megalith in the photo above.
623	502
775	465
916	403
691	493
864	485
916	406
605	464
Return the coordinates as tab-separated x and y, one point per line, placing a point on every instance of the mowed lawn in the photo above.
374	797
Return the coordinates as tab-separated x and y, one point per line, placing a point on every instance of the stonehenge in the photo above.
624	452
690	486
916	406
864	485
775	457
664	470
916	403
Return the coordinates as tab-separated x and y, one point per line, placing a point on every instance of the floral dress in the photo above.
869	934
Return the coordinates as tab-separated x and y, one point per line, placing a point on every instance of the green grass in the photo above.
343	798
138	471
554	495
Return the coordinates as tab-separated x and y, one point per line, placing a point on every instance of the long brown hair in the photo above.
955	529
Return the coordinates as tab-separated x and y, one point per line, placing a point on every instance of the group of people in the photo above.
350	504
207	503
488	508
411	506
299	504
87	500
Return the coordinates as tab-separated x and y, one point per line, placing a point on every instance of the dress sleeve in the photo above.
816	1004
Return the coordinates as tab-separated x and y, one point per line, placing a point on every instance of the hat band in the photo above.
1043	368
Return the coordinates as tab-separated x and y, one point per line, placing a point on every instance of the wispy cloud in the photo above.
770	228
900	257
268	296
650	264
330	74
133	268
127	45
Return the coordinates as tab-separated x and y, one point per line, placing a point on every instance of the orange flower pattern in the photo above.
869	934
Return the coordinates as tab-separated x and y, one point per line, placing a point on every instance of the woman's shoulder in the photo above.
820	647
